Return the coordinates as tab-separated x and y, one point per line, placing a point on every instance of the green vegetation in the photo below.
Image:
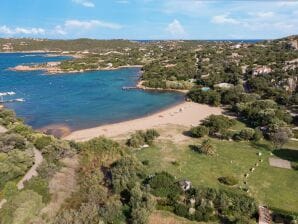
257	83
21	208
228	180
140	138
233	159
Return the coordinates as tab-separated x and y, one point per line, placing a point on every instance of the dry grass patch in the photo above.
62	185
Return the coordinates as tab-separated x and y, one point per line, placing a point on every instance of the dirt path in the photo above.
62	185
2	129
2	202
32	172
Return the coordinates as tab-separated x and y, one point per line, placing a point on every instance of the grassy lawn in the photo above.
271	186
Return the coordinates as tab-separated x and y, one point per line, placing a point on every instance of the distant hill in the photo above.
24	44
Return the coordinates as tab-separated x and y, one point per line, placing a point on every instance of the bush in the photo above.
228	180
150	135
7	117
10	189
21	208
163	185
199	131
218	123
181	210
40	186
247	133
23	130
140	138
206	148
125	173
210	97
42	142
12	141
258	135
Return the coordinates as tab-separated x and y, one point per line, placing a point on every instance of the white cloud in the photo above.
90	24
287	3
224	19
176	29
21	30
59	30
264	14
85	3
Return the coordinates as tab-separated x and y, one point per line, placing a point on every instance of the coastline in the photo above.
56	70
185	114
142	87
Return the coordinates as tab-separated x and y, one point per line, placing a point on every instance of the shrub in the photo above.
23	130
181	210
280	136
140	138
12	141
124	173
226	134
163	185
21	208
258	135
142	204
7	117
247	133
218	123
210	97
10	189
228	180
42	142
206	148
150	135
199	131
145	162
40	186
136	140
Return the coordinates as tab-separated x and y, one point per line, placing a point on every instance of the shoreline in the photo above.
56	71
185	114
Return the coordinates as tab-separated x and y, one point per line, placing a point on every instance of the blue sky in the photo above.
148	19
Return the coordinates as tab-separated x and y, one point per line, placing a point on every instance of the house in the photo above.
185	185
261	70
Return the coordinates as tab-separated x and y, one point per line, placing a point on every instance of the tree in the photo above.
281	136
142	204
206	148
199	131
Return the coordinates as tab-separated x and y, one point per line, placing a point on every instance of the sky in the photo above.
149	19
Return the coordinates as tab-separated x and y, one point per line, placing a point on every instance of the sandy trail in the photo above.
2	129
32	172
62	185
185	114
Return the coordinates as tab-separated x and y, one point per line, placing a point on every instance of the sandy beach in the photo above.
186	114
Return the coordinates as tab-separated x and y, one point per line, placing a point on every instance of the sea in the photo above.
79	100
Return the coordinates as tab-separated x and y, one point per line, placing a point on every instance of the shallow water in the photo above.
80	100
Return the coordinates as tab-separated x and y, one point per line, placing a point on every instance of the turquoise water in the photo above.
80	100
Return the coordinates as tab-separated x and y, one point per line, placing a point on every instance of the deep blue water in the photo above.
80	100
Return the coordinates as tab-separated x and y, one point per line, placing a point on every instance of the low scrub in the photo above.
228	180
140	138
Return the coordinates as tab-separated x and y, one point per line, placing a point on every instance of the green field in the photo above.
271	186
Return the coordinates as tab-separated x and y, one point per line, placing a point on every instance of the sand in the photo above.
186	114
